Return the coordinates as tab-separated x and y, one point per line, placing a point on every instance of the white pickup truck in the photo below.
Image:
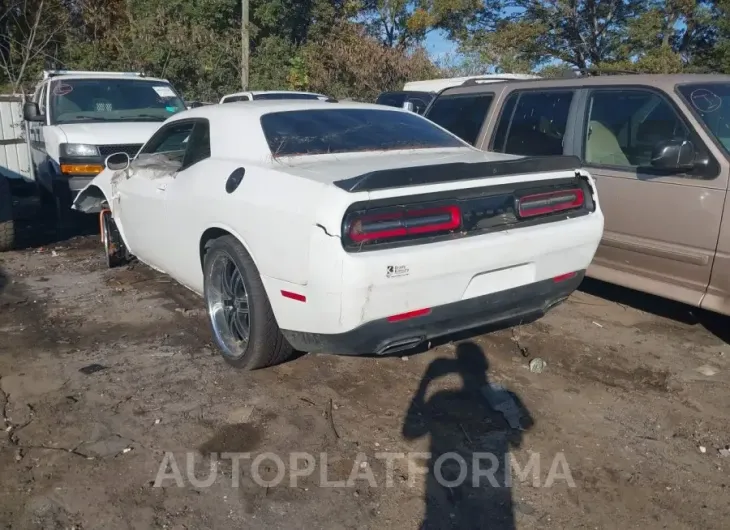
78	118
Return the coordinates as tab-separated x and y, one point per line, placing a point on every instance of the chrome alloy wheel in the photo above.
228	308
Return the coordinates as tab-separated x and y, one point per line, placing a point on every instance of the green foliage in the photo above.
403	23
661	36
356	48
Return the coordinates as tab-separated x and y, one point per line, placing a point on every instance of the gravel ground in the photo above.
109	378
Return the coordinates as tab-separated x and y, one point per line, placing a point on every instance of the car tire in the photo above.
7	224
114	249
265	344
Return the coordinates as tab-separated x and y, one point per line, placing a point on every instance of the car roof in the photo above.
667	81
245	116
105	76
258	92
257	108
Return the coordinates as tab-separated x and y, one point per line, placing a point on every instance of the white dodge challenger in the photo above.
343	227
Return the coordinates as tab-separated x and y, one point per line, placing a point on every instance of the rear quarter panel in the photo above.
271	213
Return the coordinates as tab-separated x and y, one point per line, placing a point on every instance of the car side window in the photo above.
42	99
461	114
168	144
624	126
198	145
533	123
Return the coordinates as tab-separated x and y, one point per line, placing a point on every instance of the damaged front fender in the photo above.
98	194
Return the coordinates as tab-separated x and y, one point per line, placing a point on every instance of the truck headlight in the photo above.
79	150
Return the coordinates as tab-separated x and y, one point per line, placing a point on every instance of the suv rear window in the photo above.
533	123
461	114
320	131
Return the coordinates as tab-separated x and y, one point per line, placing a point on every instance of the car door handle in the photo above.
161	187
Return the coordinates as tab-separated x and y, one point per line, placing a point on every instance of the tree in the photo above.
404	23
30	31
653	35
351	63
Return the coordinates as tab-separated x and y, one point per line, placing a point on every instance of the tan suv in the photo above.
659	148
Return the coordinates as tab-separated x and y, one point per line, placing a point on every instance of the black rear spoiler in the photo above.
420	175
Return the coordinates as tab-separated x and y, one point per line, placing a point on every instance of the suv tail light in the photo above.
402	222
549	202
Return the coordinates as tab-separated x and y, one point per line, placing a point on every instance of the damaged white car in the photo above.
343	227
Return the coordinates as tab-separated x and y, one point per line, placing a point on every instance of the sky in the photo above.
438	45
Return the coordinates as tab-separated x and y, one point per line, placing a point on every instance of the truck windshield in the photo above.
112	100
711	102
329	131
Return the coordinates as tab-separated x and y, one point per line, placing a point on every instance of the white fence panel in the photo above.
14	155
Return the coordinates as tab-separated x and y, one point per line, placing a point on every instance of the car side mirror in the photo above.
31	112
117	161
409	106
673	155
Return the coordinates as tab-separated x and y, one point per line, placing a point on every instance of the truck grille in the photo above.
130	149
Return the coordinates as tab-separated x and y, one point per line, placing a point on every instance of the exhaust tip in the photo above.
399	345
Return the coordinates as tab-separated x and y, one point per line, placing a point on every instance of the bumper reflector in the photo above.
564	277
409	314
294	296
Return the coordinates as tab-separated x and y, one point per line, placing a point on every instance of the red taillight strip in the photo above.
409	314
294	296
565	277
404	223
550	202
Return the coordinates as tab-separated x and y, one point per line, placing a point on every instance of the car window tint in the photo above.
170	141
462	115
419	103
233	99
533	123
624	126
711	102
391	99
42	99
199	144
325	131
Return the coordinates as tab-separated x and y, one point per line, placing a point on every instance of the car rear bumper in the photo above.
385	336
346	291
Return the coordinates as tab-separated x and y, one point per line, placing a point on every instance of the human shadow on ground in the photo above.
471	431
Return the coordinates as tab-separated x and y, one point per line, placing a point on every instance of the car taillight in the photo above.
549	202
403	222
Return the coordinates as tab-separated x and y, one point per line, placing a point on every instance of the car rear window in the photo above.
461	114
233	99
391	99
310	132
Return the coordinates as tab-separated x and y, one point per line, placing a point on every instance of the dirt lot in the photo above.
636	403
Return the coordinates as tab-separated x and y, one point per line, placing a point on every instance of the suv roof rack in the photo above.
53	73
494	79
576	72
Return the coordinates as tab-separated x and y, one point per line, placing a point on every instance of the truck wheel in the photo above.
7	235
7	225
239	311
57	208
